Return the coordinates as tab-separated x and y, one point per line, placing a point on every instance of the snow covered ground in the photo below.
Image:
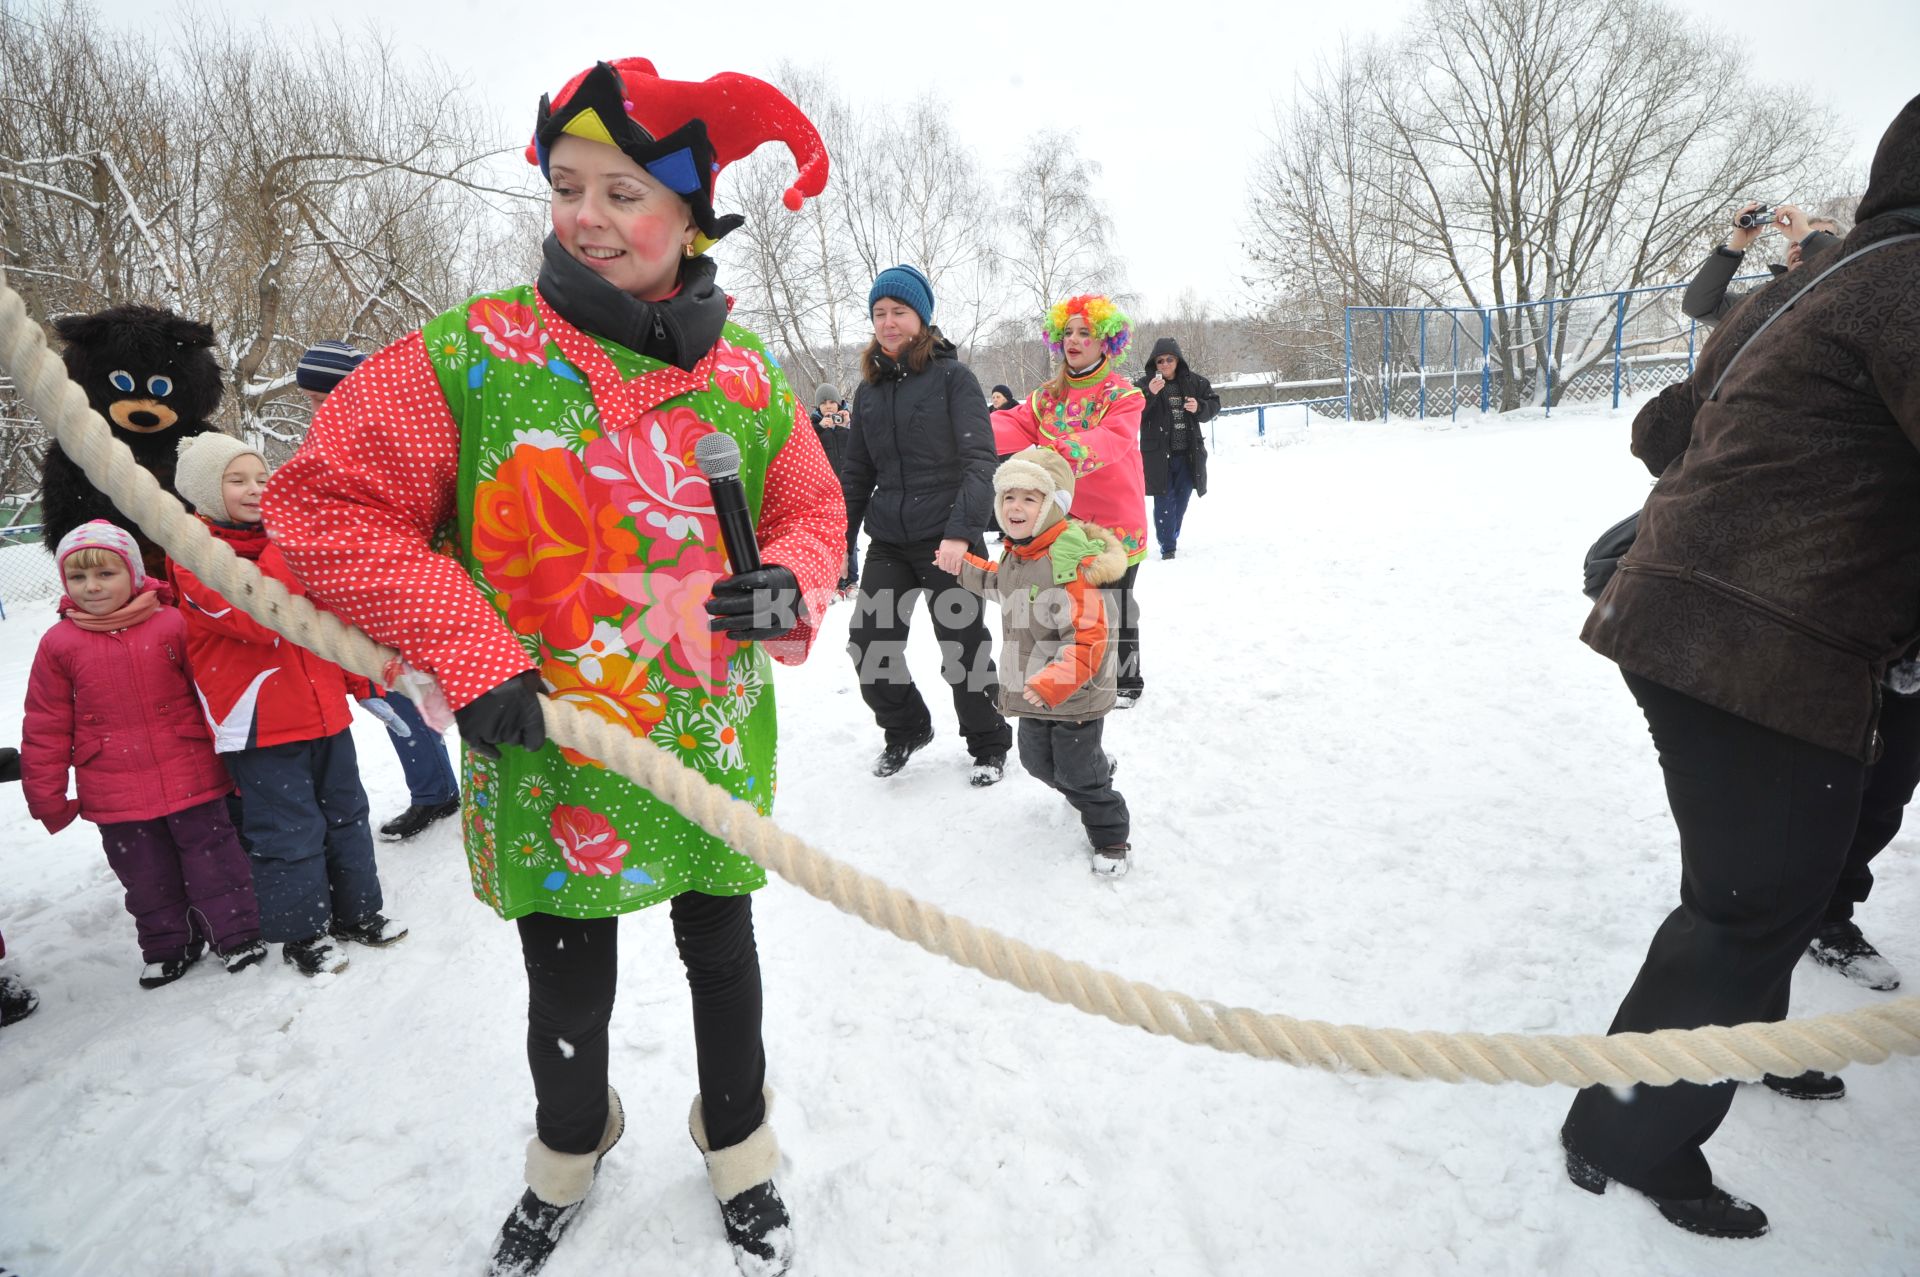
1375	779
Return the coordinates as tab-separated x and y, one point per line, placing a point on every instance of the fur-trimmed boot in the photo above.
557	1184
742	1177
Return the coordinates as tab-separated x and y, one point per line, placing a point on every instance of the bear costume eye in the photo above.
121	380
159	387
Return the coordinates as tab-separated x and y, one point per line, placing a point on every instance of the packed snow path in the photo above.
1375	778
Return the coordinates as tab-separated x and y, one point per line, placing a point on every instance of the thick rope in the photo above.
1746	1051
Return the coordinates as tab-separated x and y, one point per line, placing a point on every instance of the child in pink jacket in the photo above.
110	698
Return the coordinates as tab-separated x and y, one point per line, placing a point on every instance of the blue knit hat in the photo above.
904	284
325	365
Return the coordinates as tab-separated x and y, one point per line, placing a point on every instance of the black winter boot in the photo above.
316	955
376	930
557	1186
155	974
17	1001
987	771
1718	1214
756	1220
896	753
244	955
1811	1085
416	819
1841	946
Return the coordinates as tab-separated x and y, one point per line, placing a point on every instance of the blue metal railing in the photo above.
1260	410
1522	346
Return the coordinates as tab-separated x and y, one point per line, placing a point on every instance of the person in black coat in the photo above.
918	471
832	423
1173	449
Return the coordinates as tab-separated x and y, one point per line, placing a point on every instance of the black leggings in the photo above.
572	967
1765	821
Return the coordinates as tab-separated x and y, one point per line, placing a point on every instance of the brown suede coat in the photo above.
1777	569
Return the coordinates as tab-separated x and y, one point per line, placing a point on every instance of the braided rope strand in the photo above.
1715	1053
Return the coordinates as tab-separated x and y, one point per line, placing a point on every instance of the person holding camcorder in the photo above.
1707	298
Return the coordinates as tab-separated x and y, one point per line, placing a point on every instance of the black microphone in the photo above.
718	457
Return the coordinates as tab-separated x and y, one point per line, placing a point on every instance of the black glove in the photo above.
506	715
851	577
761	604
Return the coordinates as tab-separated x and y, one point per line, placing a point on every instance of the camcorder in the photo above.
1754	217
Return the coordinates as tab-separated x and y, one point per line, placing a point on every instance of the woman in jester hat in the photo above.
508	497
1089	413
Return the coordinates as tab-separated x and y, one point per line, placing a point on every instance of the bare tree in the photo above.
1522	150
1056	241
280	197
904	188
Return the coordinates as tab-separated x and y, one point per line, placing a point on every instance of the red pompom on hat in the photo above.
683	132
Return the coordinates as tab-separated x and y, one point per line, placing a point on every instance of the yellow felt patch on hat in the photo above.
590	126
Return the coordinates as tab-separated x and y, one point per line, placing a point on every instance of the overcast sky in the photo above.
1171	99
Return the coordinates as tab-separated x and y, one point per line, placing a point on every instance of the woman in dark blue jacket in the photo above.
919	470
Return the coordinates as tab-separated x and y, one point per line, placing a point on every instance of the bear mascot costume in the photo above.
152	375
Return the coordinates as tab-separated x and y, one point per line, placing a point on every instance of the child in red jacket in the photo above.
110	698
280	717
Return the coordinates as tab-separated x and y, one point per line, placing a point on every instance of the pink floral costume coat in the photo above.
583	544
1096	427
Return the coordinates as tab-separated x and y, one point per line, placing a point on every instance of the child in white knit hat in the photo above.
280	717
1056	660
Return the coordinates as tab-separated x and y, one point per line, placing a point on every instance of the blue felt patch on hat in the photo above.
677	172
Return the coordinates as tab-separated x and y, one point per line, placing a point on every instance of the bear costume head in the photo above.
152	375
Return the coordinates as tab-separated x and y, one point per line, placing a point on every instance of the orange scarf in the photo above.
126	616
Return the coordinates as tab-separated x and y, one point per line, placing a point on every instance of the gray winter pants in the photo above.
1068	757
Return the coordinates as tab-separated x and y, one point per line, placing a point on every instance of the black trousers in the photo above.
892	581
1765	822
1123	612
1069	758
1890	785
572	967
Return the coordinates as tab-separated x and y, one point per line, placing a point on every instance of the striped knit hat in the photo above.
101	535
325	365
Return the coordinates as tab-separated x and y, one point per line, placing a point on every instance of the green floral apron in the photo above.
584	520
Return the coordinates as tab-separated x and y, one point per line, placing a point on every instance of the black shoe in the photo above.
376	931
1811	1085
896	753
415	820
528	1237
1113	860
313	956
242	956
1718	1214
534	1227
987	771
759	1230
1841	946
17	1001
1166	554
155	974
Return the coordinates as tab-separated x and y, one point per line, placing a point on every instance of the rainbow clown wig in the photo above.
1109	323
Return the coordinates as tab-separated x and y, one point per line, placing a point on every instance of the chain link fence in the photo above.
27	576
1436	361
